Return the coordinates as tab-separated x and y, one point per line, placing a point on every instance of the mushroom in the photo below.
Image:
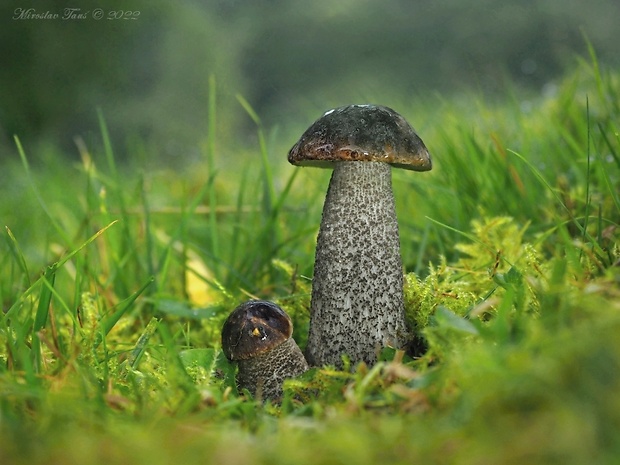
357	290
257	336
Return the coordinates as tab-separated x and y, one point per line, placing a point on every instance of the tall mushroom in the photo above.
257	336
357	290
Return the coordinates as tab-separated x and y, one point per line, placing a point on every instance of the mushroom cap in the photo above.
361	133
253	328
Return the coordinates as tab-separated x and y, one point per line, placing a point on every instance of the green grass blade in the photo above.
578	225
52	269
88	241
211	136
588	178
107	144
248	109
19	256
268	183
470	237
598	77
239	213
544	182
284	194
134	356
612	150
108	323
57	226
116	187
41	316
148	233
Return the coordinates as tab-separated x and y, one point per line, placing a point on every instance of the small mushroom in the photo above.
257	336
357	291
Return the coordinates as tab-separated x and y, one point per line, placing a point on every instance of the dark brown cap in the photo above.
361	133
253	328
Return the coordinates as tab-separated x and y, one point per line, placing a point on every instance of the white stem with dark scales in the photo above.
357	290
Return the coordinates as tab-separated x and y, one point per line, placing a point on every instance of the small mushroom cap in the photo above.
361	133
253	328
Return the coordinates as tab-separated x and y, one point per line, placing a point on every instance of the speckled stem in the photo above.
357	289
264	374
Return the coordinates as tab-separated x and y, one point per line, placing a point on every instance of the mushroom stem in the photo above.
357	291
264	374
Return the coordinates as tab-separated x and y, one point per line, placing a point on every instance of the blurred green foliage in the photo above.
290	59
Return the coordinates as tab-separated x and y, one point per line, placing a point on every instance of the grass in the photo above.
116	279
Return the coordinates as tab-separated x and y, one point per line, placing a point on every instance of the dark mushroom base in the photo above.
264	374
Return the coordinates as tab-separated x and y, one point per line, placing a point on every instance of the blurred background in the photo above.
290	60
